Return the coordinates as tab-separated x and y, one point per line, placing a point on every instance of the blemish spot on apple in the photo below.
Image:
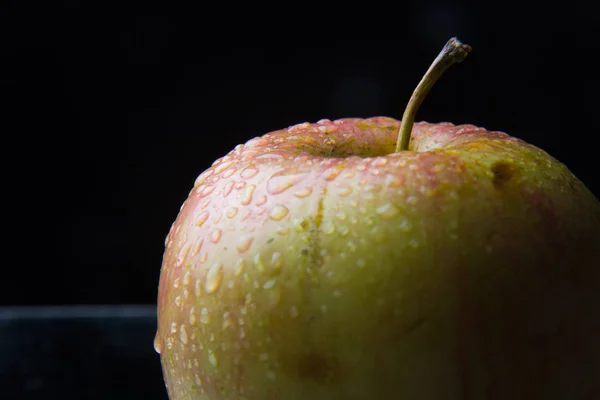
503	172
318	368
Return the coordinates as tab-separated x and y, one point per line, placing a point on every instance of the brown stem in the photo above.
454	51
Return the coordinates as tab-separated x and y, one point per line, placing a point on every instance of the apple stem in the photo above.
454	51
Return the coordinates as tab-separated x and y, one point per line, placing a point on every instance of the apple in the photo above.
376	259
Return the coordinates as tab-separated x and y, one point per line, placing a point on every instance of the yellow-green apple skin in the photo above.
316	263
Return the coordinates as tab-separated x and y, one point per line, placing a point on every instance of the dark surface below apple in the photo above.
79	353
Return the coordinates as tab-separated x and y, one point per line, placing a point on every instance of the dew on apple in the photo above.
205	316
173	327
240	185
205	190
249	173
197	247
244	244
182	255
247	195
405	225
197	287
212	358
177	301
192	316
214	277
361	263
215	235
157	343
276	260
239	266
176	283
279	212
183	334
282	181
387	211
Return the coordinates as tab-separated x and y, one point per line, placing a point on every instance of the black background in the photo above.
113	110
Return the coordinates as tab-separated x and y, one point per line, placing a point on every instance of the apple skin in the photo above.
315	263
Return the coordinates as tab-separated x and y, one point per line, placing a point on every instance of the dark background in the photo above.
112	110
121	107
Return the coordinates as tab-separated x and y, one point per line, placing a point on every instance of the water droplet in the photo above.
228	188
294	312
380	162
202	217
276	260
247	195
183	334
205	190
341	215
387	211
345	191
182	255
282	231
212	358
328	228
232	212
177	301
240	185
202	177
337	293
269	284
176	283
282	181
223	166
239	267
361	263
173	327
205	316
193	316
227	321
214	278
228	173
413	243
197	288
157	343
271	375
351	246
186	278
405	225
412	200
279	212
333	172
244	243
262	200
304	192
197	247
260	266
249	173
215	235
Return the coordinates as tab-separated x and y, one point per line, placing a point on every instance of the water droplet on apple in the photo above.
205	190
186	278
181	256
193	316
239	267
183	334
232	212
294	312
260	266
214	277
281	181
205	316
413	243
202	217
361	263
405	225
269	284
249	173
304	192
279	212
215	235
340	215
387	211
276	260
176	283
157	343
197	287
228	188
345	191
261	201
244	243
247	195
282	231
177	301
197	247
212	358
173	327
412	200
